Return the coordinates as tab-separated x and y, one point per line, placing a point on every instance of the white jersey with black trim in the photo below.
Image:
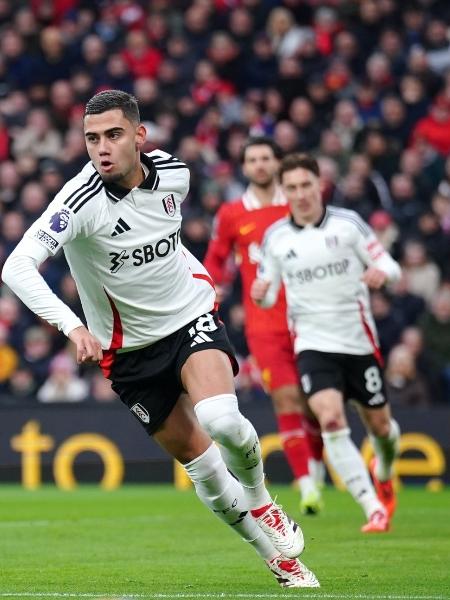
321	267
136	281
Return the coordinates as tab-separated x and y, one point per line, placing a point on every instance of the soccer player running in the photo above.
327	259
239	227
151	323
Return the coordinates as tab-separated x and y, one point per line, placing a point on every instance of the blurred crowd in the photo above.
364	85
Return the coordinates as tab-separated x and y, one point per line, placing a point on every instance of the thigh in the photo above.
364	381
206	363
328	408
275	357
207	373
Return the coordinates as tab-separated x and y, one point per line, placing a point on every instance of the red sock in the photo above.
295	444
314	436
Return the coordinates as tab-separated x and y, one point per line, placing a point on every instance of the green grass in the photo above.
151	541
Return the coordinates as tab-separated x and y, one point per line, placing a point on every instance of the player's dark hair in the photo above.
261	140
112	99
296	161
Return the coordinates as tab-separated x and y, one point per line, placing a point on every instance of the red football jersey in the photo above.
240	228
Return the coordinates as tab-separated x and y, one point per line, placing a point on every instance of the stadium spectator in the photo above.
388	321
63	383
422	274
434	129
141	58
21	388
38	136
54	61
346	123
406	205
8	357
395	124
286	36
386	230
9	184
301	114
407	306
412	338
435	326
404	385
32	201
37	351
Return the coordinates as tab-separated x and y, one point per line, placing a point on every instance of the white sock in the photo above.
225	497
238	443
347	461
386	449
317	471
306	485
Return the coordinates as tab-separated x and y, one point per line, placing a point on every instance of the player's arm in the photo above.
21	274
265	288
381	267
220	247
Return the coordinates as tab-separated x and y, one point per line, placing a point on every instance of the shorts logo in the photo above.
60	220
375	400
306	384
141	412
169	205
46	239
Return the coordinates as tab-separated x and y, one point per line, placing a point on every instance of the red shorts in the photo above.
275	356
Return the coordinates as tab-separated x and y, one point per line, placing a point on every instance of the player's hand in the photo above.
374	278
88	347
259	290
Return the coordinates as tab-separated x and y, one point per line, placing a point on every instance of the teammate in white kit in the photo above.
151	323
327	259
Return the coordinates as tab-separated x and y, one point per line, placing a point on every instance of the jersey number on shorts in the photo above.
203	324
373	379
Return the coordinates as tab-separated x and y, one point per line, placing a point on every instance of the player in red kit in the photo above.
239	229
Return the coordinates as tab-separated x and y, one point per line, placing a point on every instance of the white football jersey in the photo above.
136	281
321	267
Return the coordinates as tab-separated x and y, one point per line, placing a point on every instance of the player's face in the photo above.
303	192
260	165
113	144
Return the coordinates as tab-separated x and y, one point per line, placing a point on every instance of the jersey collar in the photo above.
318	224
116	192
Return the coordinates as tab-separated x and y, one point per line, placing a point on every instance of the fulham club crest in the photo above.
169	205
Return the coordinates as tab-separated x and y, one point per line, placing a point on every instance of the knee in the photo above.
226	429
332	421
286	401
332	424
221	418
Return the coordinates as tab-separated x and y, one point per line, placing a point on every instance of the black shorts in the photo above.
359	378
148	380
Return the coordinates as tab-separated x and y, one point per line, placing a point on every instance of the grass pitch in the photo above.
154	542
